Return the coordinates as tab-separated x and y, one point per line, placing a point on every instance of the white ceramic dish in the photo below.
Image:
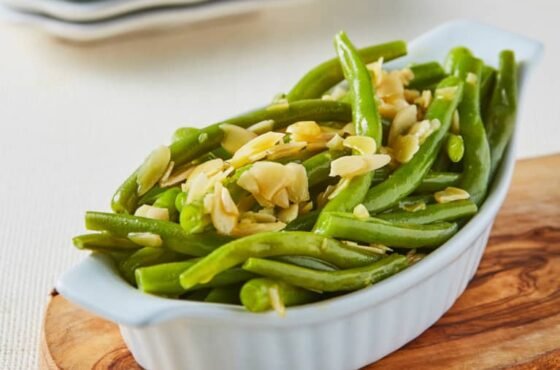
145	20
343	333
91	10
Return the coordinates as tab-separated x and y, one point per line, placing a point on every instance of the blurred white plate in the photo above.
92	10
149	19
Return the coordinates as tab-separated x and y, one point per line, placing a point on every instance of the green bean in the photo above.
476	163
328	281
196	144
163	279
487	80
319	166
184	132
151	196
436	181
304	222
426	75
500	119
454	56
433	213
256	294
180	201
173	236
309	262
342	225
167	200
329	73
103	242
455	147
270	244
409	175
192	218
146	256
365	115
226	295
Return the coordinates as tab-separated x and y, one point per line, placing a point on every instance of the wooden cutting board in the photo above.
509	316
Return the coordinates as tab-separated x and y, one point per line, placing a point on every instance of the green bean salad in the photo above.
358	172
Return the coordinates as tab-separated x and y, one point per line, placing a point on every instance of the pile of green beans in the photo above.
366	233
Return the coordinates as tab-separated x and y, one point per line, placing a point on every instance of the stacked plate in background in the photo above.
89	20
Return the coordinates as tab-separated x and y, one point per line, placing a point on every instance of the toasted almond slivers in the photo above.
361	212
167	173
471	78
261	127
146	239
227	203
281	198
355	165
257	217
316	146
153	168
421	130
208	203
361	144
405	147
451	194
406	76
235	137
298	186
402	122
178	175
389	108
248	182
391	85
156	213
411	95
425	99
336	143
209	168
275	301
248	228
304	131
289	214
348	129
447	93
377	69
270	176
258	145
223	221
197	187
285	150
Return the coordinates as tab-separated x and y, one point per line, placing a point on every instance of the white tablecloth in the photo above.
76	119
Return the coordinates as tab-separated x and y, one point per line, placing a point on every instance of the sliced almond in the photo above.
304	131
451	194
197	187
208	203
405	147
152	212
348	129
336	143
153	168
209	168
355	165
289	214
178	175
257	217
402	122
223	221
361	144
167	173
235	137
146	239
270	176
391	85
411	95
285	150
258	145
261	127
248	182
424	100
406	76
360	212
298	186
228	203
377	69
281	199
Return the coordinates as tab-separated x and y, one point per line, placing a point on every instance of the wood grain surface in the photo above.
509	316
